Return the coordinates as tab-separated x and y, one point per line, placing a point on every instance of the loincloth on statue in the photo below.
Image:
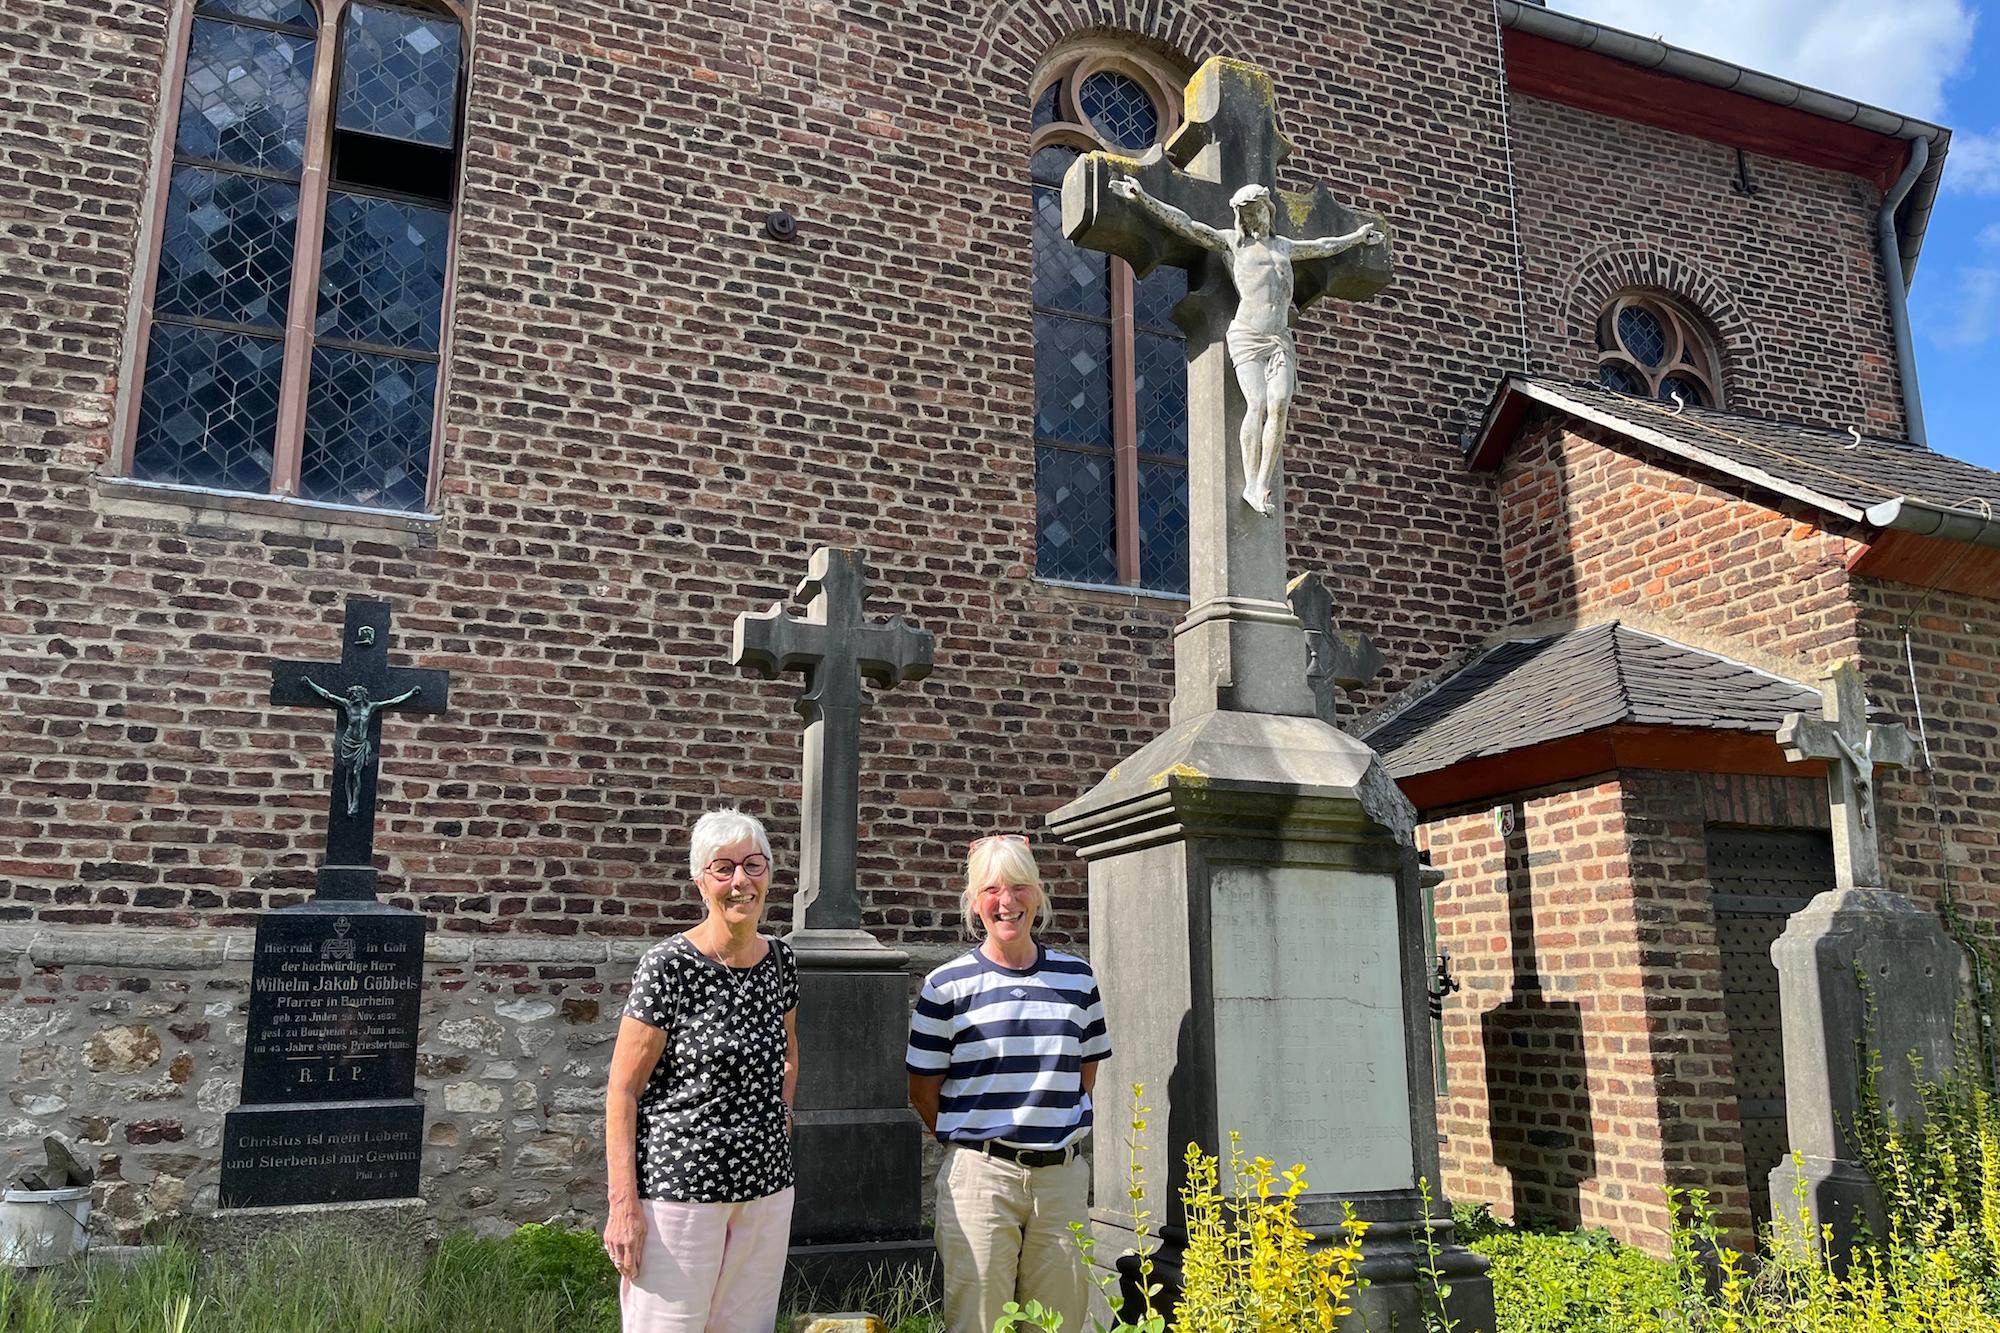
1269	350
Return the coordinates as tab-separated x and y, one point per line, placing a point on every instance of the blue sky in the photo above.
1938	60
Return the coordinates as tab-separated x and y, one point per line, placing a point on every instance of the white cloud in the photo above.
1898	56
1974	317
1973	165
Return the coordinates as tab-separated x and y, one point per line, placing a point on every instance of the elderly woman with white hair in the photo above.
1003	1054
698	1111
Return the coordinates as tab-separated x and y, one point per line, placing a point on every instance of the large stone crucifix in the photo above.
836	649
1853	750
359	688
1207	201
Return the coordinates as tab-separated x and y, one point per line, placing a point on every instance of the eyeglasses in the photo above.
724	868
977	843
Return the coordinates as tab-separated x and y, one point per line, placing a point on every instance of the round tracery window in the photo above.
1649	347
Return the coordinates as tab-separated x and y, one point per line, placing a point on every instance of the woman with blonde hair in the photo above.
698	1112
1003	1053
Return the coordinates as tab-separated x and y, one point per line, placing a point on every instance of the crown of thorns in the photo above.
1250	194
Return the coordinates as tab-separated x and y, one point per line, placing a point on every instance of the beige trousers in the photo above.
1003	1235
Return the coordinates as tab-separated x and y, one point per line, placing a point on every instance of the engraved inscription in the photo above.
333	1007
321	1152
1309	1023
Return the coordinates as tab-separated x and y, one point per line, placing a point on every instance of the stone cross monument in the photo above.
1857	929
1256	912
329	1111
1238	647
360	688
859	1150
1340	659
1853	750
836	649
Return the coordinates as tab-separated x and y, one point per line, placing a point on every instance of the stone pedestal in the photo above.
1857	969
1257	931
329	1111
858	1146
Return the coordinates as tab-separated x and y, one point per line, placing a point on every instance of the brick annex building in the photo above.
474	307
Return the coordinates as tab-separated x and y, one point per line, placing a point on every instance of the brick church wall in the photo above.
1939	822
1789	277
1581	1099
1598	528
654	413
1552	1102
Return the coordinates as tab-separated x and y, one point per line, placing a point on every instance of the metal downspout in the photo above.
1897	284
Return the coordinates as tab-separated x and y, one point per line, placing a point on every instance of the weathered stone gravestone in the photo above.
1859	962
859	1151
1256	918
329	1111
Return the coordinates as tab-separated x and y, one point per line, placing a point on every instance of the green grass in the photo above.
309	1283
542	1279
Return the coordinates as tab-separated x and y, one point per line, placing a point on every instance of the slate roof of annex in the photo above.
1524	692
1821	466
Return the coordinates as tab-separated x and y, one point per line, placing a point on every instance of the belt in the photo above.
1031	1157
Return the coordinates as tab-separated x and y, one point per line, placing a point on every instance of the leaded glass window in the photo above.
224	401
1650	347
209	396
1110	365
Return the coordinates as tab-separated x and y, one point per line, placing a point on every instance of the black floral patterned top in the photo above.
712	1122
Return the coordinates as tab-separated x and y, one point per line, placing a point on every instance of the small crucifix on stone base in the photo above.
836	649
360	688
1853	750
1238	647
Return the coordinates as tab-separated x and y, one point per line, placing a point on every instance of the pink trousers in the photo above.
709	1267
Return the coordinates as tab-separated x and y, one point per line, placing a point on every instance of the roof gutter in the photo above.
1976	527
1896	282
1915	201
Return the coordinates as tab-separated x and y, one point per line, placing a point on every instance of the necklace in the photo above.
739	977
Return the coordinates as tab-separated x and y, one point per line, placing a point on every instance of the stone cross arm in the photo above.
1230	139
833	644
1844	734
1853	749
1336	659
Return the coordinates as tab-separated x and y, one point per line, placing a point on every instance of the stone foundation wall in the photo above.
130	1045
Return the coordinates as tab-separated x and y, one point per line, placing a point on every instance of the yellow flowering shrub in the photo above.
1248	1263
1249	1266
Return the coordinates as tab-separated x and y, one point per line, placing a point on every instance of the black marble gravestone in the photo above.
329	1111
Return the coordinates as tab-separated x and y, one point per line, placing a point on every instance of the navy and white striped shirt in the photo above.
1011	1046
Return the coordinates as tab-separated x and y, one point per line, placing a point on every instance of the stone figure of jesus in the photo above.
1261	348
353	748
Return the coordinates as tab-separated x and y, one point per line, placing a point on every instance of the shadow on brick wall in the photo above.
1537	1081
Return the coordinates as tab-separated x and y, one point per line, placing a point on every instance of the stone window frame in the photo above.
1690	353
316	179
1070	65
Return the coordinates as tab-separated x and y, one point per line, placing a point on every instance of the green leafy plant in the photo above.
1109	1282
1248	1263
570	1263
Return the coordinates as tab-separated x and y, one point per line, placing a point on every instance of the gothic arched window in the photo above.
1648	346
1110	365
293	338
